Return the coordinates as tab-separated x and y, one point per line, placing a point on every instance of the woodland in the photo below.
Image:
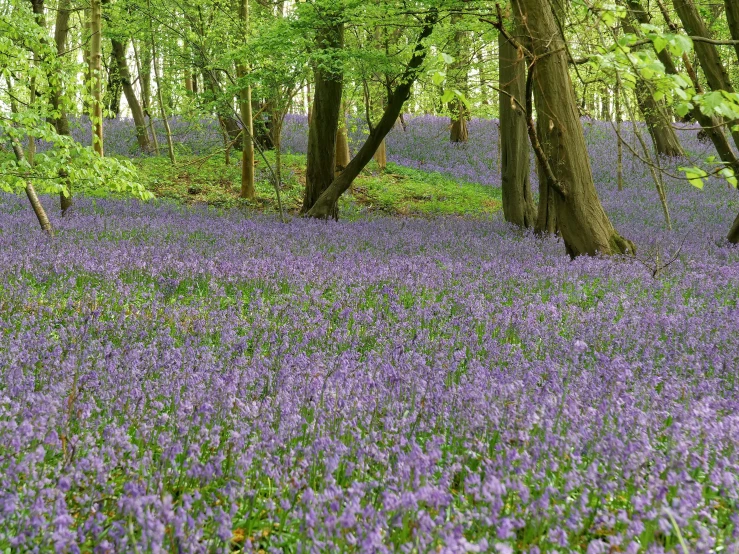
369	276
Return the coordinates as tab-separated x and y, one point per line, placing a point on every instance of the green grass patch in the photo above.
396	191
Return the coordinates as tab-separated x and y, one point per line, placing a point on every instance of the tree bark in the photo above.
711	126
458	73
583	223
381	155
655	113
328	86
324	206
518	202
113	90
732	17
734	232
343	155
95	75
247	139
708	54
139	120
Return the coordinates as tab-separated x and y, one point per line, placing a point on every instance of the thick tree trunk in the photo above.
119	55
329	81
324	207
583	223
96	75
708	54
518	202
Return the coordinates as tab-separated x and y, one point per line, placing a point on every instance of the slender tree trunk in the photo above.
96	75
325	122
518	202
326	203
583	223
160	96
708	54
119	55
309	101
60	121
655	113
458	70
619	143
114	89
143	67
732	17
711	125
342	144
381	155
247	144
36	205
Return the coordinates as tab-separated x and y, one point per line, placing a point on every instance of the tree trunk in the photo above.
710	59
160	96
324	124
381	155
583	223
711	125
119	55
458	74
114	89
734	232
95	75
343	155
655	114
518	202
247	138
325	205
732	17
36	205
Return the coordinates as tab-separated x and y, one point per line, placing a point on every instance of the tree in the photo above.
119	57
325	206
710	59
328	86
518	202
583	223
247	149
654	112
96	84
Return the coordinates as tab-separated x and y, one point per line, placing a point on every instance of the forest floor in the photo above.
397	190
175	377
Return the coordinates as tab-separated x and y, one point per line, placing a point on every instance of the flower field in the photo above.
187	380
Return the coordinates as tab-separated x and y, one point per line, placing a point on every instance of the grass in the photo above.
396	191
